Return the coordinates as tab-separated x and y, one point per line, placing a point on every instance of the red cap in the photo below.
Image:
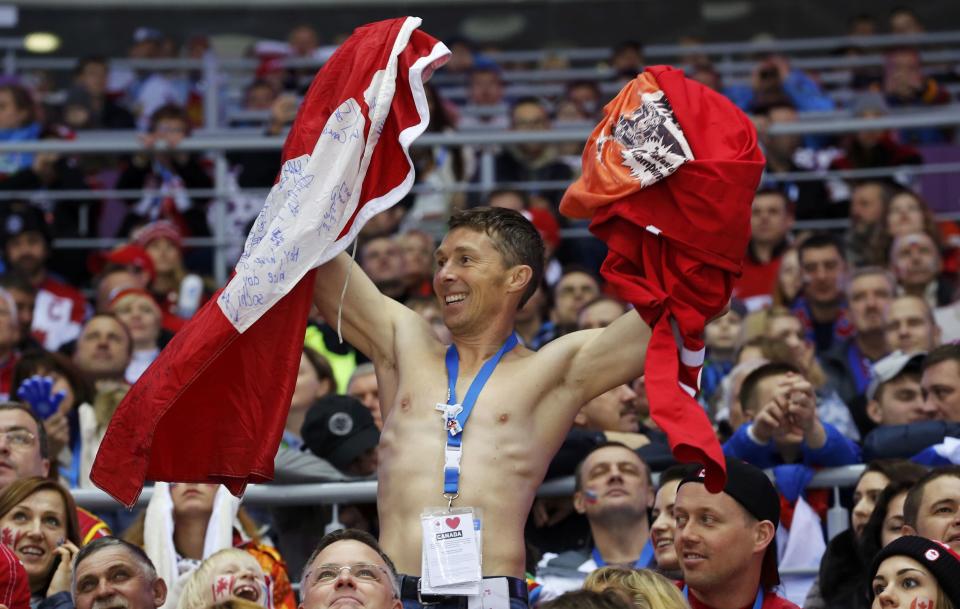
14	587
161	229
132	255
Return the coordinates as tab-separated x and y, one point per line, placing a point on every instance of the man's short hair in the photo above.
364	244
818	241
943	353
771	191
911	505
42	440
628	45
748	389
577	485
765	107
350	535
123	328
361	370
512	235
102	543
570	269
89	60
603	298
530	100
487	67
865	271
677	471
169	112
583	84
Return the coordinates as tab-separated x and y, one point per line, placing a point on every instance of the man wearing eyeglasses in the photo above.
348	566
24	452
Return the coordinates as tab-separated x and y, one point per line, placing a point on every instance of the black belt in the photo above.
410	590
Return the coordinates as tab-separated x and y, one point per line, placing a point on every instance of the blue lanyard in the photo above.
757	604
456	415
646	556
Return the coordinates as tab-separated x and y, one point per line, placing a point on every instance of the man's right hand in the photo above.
772	416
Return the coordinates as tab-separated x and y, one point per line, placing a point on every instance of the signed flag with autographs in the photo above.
668	180
212	407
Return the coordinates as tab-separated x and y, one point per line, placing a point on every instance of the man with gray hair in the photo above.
364	386
110	572
349	566
910	325
847	363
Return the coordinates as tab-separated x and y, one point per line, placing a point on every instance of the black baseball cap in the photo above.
339	428
21	217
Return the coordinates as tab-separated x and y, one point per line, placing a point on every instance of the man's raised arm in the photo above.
369	318
595	361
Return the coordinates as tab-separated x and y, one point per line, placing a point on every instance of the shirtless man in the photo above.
487	266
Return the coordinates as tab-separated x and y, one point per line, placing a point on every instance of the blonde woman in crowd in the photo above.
645	589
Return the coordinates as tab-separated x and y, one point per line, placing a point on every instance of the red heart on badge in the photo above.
453	522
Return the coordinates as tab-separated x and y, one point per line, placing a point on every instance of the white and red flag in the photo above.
212	407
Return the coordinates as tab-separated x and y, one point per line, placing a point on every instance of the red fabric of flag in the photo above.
668	180
212	406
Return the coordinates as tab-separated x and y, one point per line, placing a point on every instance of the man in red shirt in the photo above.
771	219
727	542
60	308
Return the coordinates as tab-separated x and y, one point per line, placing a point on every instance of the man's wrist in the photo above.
752	434
816	437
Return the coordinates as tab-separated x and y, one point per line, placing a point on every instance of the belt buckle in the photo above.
420	596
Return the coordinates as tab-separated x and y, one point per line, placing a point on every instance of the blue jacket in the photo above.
838	450
904	441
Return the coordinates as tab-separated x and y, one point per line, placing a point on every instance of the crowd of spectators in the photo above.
839	348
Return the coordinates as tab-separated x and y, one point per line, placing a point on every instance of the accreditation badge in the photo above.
451	556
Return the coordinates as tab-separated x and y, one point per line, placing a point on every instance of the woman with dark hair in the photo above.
843	566
886	521
906	213
38	522
915	572
38	378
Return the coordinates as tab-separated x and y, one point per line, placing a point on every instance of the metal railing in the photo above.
222	141
365	491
